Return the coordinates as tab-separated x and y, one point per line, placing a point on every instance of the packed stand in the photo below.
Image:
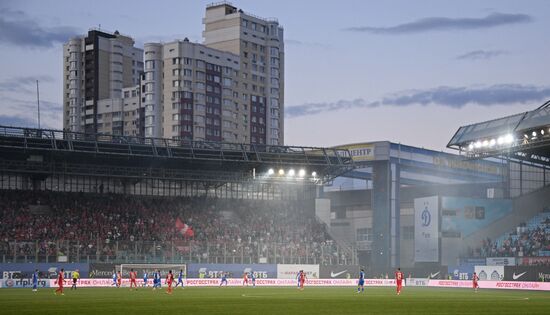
105	226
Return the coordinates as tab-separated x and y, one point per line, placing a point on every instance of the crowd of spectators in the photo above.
108	226
523	242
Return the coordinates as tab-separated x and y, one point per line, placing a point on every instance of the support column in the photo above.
381	206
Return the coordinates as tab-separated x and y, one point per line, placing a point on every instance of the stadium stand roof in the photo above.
524	136
42	150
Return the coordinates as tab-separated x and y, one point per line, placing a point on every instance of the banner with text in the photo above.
426	229
261	271
417	282
291	271
535	261
23	283
462	272
269	282
45	270
501	261
512	285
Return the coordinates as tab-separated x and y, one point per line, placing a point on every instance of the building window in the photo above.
364	234
150	64
199	75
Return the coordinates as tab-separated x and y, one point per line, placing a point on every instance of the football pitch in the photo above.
267	300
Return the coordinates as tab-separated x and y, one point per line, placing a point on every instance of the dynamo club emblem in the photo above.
426	217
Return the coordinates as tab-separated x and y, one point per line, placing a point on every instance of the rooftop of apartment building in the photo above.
231	9
208	50
127	39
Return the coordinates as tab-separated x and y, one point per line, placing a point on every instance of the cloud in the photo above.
24	84
18	112
18	29
316	108
16	121
481	54
445	24
295	42
455	97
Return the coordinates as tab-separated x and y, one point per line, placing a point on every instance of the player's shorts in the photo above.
74	280
361	282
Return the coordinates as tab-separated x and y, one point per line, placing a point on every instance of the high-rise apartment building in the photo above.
96	69
231	88
259	43
191	92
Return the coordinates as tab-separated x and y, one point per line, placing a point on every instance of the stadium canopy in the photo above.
524	136
45	151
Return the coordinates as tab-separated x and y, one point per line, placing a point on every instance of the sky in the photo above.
405	71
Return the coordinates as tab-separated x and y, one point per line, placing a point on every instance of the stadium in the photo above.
137	220
216	210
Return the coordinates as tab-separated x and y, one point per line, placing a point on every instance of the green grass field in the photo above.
110	301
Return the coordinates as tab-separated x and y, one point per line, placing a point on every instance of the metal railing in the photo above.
104	251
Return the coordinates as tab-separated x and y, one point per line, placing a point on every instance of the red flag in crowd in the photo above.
184	229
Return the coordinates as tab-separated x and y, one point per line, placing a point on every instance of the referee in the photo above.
76	276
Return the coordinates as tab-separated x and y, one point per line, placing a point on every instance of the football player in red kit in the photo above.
399	280
133	276
302	279
169	280
475	279
118	279
59	282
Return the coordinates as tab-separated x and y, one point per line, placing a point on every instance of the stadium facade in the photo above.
374	207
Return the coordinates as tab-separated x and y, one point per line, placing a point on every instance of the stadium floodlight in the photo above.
509	138
281	172
270	171
477	144
314	174
302	173
542	132
471	146
291	172
492	142
500	140
534	134
485	143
